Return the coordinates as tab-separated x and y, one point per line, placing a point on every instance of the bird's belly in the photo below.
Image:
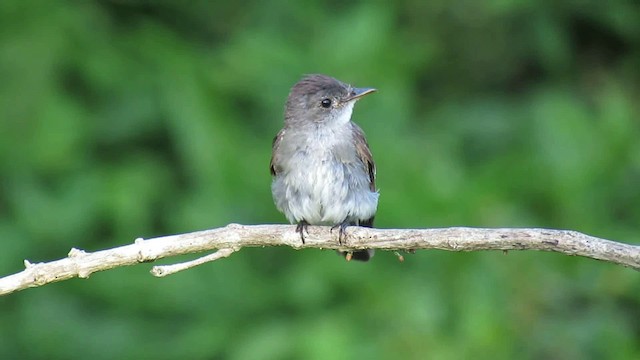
326	192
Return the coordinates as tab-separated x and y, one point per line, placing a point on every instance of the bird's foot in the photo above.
302	228
343	233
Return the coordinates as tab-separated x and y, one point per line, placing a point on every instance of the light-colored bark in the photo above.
233	237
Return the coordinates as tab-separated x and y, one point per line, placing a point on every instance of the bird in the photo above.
322	169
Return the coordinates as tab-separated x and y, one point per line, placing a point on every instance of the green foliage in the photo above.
121	119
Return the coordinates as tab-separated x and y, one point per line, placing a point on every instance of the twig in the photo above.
164	270
233	237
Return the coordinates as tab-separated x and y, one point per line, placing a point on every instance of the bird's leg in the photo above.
302	228
343	233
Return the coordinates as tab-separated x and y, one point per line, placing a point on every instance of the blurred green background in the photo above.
125	119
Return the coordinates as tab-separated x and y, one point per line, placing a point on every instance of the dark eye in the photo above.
326	103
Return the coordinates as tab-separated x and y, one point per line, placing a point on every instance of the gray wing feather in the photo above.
364	155
274	164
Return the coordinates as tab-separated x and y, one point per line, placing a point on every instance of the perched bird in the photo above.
322	168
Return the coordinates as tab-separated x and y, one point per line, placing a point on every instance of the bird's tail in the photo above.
360	255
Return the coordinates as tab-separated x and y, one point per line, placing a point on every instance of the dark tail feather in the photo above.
361	255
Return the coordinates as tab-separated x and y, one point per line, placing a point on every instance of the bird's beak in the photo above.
357	93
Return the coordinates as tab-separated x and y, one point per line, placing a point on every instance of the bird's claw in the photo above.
302	228
343	233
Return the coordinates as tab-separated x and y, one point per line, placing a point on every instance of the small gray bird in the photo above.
322	168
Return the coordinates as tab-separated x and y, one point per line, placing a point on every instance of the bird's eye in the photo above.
326	103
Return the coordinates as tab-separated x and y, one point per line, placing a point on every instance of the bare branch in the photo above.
164	270
233	237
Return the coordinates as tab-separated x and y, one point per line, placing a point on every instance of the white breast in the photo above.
324	182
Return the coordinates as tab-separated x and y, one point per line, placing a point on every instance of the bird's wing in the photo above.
273	165
364	155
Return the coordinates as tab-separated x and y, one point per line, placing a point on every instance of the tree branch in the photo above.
233	237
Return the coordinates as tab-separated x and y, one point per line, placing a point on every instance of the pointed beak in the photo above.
357	93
